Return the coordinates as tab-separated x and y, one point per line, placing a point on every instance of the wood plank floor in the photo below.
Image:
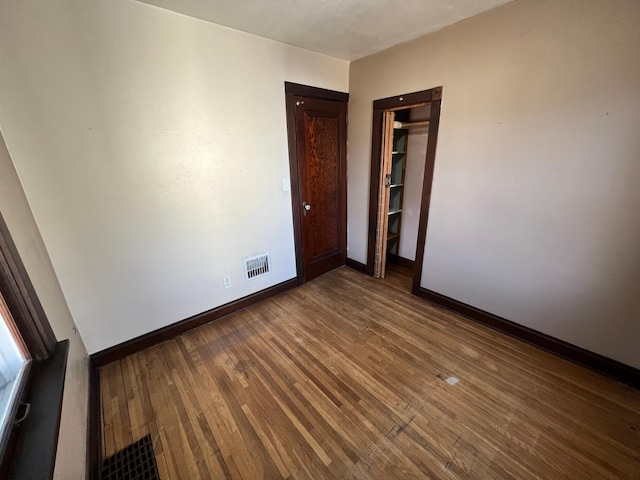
344	377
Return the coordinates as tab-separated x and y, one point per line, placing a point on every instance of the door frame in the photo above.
397	102
292	90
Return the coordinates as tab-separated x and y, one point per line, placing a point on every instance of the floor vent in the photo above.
135	462
257	266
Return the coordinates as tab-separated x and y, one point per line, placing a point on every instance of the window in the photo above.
14	364
29	355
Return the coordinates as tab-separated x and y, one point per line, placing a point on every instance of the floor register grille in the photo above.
135	462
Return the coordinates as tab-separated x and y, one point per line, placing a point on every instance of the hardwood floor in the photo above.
344	377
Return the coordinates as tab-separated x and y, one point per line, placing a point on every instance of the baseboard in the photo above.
398	260
112	354
150	339
361	267
94	424
606	366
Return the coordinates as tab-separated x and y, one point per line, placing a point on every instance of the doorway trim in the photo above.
291	90
434	97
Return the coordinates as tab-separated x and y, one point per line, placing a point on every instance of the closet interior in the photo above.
404	147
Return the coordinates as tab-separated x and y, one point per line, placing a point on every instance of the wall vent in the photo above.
257	266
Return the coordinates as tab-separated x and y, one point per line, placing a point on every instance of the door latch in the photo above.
387	180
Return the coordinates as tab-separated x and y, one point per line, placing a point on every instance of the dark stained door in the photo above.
321	127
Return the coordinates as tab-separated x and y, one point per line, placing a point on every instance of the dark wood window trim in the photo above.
22	301
32	446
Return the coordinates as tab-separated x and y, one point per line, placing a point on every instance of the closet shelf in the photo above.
396	178
398	125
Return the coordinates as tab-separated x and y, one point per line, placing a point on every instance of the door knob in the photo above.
306	207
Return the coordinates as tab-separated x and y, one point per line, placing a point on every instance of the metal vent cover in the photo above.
256	266
135	462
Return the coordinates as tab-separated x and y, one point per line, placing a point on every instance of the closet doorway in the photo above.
405	132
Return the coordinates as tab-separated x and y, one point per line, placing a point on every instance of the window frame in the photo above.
18	384
31	447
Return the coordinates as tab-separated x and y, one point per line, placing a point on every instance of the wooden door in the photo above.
320	151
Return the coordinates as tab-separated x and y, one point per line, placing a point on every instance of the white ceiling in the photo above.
347	29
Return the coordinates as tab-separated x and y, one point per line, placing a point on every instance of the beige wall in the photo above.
70	461
534	213
152	148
